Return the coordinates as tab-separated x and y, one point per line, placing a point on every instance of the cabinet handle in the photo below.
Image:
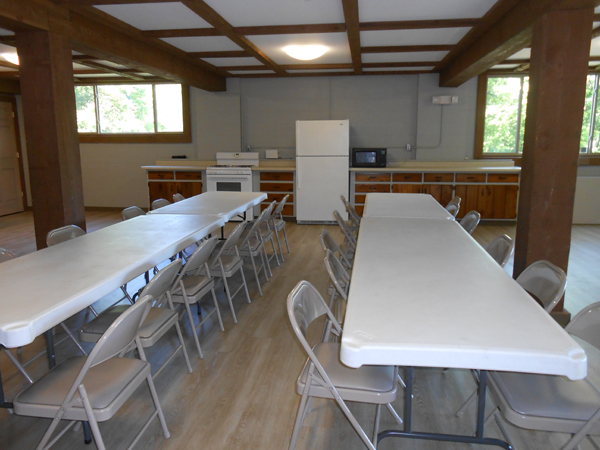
502	178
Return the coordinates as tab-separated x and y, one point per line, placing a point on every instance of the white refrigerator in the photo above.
322	169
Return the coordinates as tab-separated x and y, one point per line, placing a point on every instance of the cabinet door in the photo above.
505	201
469	196
485	202
189	189
162	189
441	192
407	188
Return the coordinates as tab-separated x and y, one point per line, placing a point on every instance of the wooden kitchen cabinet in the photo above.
277	185
491	201
443	193
186	183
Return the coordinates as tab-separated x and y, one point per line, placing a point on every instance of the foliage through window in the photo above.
506	108
130	108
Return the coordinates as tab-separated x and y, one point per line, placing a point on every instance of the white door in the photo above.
319	184
11	200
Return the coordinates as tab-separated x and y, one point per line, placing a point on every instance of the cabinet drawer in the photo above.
439	177
373	176
413	177
160	175
277	176
359	198
372	188
470	177
278	187
188	175
278	197
503	178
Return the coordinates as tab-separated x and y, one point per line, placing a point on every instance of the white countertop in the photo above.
424	293
408	206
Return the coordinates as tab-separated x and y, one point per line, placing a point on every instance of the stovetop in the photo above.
230	165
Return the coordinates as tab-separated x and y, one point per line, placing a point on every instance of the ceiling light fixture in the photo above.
305	52
11	58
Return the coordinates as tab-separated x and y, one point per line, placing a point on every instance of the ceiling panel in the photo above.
80	67
251	72
505	66
98	75
395	69
220	62
522	54
272	46
403	57
321	71
111	64
4	32
595	47
439	36
156	16
383	10
279	12
202	43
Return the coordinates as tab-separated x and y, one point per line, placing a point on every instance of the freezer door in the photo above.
320	182
322	137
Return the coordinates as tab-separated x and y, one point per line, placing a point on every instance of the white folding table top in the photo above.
408	206
42	289
424	293
226	204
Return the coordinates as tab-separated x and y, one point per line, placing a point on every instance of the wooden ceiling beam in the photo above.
505	30
8	65
107	69
108	42
407	48
212	17
353	31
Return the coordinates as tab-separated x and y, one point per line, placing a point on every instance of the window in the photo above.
505	112
142	113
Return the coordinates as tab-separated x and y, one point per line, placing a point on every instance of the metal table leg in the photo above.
50	348
3	402
408	433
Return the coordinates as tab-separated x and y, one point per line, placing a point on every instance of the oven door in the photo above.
231	183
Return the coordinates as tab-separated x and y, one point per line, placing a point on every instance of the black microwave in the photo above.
369	157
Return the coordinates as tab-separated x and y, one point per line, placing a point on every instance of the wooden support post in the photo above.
559	66
47	89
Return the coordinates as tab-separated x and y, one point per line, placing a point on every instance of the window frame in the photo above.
482	83
163	137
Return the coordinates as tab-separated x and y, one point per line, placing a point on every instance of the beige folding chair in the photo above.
501	249
161	317
252	245
545	281
159	203
177	197
131	212
279	225
453	206
6	255
266	234
93	389
354	222
552	403
470	221
340	280
349	237
324	376
190	286
226	261
329	243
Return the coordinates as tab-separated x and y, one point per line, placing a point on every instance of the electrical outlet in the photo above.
445	99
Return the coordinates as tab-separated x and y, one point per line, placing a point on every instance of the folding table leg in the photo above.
50	348
3	402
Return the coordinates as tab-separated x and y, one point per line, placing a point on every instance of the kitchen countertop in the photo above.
483	169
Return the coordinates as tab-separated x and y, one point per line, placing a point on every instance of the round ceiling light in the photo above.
305	52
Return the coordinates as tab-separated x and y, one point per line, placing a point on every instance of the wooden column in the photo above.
559	66
47	89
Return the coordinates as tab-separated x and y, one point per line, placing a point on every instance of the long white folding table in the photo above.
407	206
40	290
425	294
225	204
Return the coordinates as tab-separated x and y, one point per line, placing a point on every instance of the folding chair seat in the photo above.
501	249
252	245
225	261
131	212
470	221
159	203
93	389
553	403
279	225
160	319
193	283
324	376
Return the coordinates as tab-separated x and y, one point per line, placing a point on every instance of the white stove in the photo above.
232	173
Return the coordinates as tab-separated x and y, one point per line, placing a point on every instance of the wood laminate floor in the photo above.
242	394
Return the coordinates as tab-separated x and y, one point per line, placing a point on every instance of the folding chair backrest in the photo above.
347	233
452	208
177	197
305	305
6	255
339	276
268	211
162	281
279	209
131	212
470	221
350	210
544	280
200	256
455	201
121	333
255	227
501	249
586	324
159	203
63	234
231	242
329	243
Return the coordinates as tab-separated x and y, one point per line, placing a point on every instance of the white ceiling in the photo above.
156	16
403	57
384	10
436	36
